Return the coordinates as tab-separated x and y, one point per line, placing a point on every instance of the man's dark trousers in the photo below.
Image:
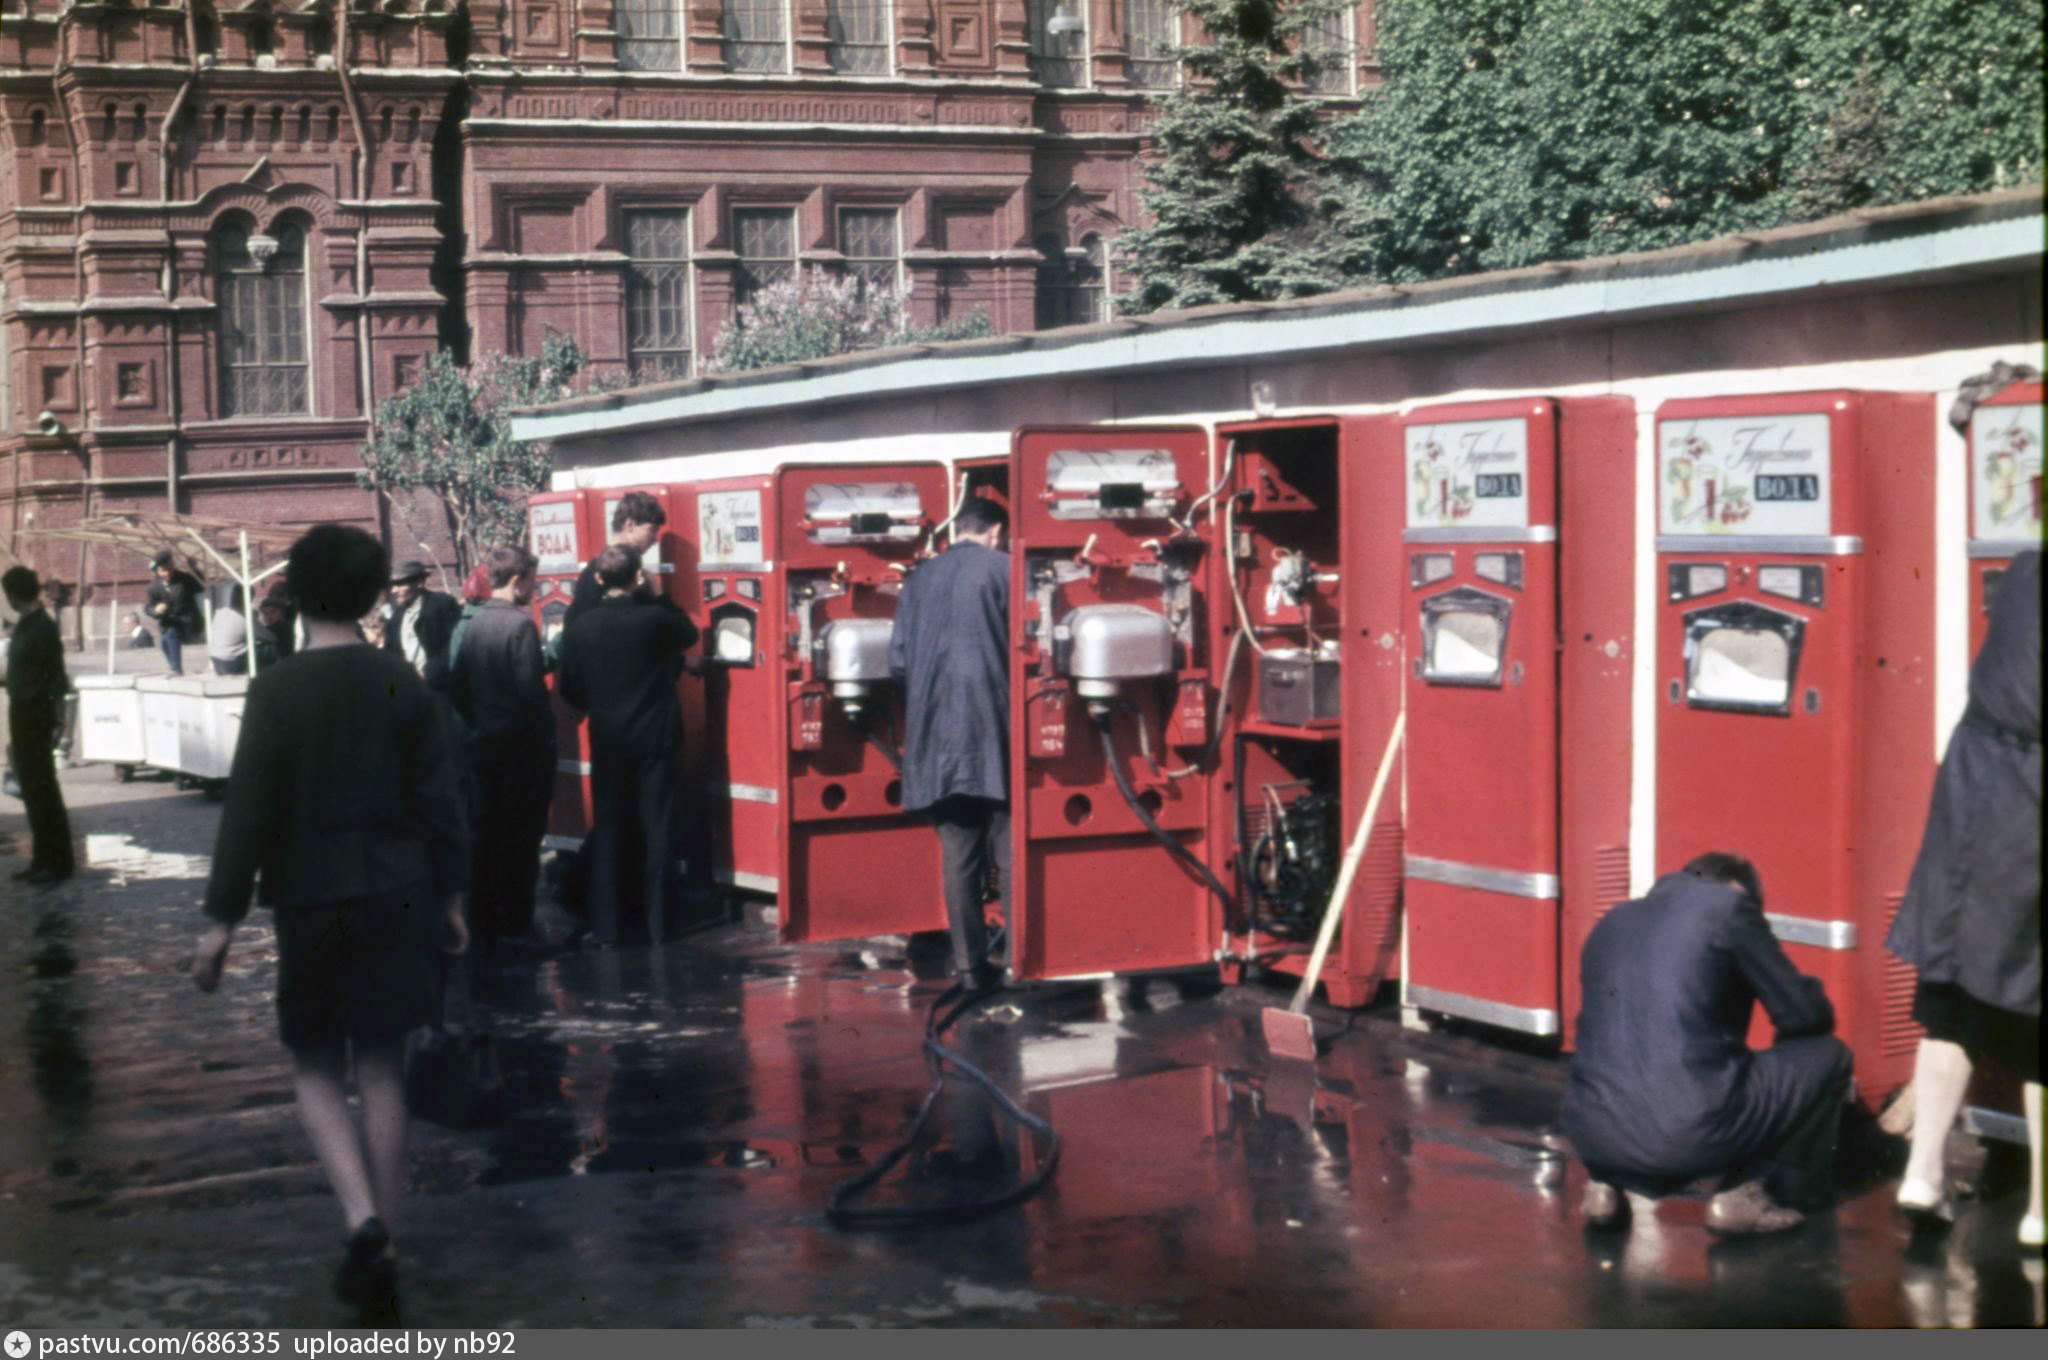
173	640
514	783
633	839
1808	1079
32	727
972	833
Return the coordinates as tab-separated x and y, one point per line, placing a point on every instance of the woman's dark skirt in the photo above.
361	970
1983	1031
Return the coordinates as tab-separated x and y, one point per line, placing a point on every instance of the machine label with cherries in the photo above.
1761	475
1468	474
728	528
2005	471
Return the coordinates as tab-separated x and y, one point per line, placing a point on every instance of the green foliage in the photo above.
816	314
1516	131
1232	199
448	436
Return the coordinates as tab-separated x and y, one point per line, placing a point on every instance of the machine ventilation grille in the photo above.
1610	878
1899	1035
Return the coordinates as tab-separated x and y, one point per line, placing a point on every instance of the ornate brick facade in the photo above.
228	229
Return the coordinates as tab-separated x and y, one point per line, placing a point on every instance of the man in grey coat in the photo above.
950	653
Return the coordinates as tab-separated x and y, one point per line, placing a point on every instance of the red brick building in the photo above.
227	230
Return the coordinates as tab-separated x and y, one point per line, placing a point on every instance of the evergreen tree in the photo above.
1231	200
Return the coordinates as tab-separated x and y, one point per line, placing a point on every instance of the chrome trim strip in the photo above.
1541	1023
1836	545
1509	882
713	568
1479	533
572	767
2001	547
2006	1128
1805	930
747	793
561	842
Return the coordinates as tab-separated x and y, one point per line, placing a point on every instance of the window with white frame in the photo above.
765	241
1073	282
1059	43
1150	32
1330	39
262	295
859	35
868	240
658	293
757	36
650	34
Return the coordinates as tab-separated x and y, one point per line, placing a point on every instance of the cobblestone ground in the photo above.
683	1113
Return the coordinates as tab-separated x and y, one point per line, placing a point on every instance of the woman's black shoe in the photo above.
366	1271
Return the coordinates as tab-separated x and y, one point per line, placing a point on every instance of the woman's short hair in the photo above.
336	572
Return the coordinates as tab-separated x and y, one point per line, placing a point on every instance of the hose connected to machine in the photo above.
938	1058
1100	717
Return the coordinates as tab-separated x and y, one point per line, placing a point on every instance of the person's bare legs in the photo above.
380	1081
320	1079
2031	1226
1941	1077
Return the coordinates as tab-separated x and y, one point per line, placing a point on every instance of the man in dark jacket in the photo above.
173	601
950	653
496	684
1664	1088
636	525
620	663
419	624
36	685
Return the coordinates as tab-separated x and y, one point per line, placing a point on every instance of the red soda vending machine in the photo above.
1795	649
2005	492
798	576
1308	625
1113	841
562	535
1488	629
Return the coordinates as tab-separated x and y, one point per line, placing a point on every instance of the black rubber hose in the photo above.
938	1058
1245	875
1159	833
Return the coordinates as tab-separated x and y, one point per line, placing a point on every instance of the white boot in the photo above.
2030	1225
1941	1077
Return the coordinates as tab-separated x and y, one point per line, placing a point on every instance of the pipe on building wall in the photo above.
173	375
366	370
80	388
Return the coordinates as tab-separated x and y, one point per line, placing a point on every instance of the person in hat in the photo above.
173	601
419	624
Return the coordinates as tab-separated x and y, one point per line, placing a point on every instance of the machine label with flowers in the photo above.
1749	475
1468	474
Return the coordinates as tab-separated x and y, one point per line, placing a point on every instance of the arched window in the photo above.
262	295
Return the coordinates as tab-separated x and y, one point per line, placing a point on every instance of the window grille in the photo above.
1149	33
650	34
1073	285
867	238
1059	43
757	36
766	245
1329	39
262	322
859	34
658	294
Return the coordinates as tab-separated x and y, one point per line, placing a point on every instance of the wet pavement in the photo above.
683	1114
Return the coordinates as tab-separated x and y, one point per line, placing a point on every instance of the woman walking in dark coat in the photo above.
1971	921
344	815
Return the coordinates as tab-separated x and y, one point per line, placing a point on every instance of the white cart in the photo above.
109	722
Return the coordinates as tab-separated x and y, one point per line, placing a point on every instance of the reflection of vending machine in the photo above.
2005	492
1794	675
1309	631
1517	697
1110	804
562	535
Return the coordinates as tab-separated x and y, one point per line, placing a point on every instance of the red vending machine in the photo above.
727	520
1112	835
1489	626
1795	646
1308	626
562	534
2005	492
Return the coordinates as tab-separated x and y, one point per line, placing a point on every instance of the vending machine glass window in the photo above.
1111	483
863	512
553	616
732	639
1743	658
1464	635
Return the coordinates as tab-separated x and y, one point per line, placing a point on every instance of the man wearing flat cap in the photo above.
419	622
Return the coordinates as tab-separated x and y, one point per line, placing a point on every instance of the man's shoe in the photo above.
1603	1206
1748	1211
